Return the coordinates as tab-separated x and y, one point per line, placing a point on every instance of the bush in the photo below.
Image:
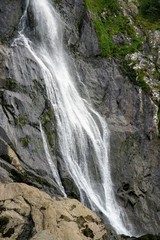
150	9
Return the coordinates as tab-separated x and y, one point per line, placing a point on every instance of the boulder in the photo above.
27	213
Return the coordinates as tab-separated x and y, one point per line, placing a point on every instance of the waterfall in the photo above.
83	135
51	163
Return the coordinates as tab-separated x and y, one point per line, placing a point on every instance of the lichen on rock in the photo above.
27	213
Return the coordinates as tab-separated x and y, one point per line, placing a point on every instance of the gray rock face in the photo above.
129	111
10	13
88	44
134	154
19	126
132	118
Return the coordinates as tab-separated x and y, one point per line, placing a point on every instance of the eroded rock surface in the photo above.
27	213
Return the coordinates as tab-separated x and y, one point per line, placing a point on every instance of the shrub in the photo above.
150	9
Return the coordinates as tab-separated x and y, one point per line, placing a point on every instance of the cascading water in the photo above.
51	163
82	133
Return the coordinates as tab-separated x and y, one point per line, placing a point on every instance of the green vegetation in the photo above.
157	86
128	71
47	116
21	121
137	77
142	84
117	36
11	84
47	119
159	116
97	6
149	14
109	24
25	141
156	74
150	9
146	24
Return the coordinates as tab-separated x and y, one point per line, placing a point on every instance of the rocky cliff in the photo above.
123	86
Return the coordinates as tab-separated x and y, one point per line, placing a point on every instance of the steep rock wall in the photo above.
128	109
131	113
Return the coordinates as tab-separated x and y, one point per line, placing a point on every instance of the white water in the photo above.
51	163
82	133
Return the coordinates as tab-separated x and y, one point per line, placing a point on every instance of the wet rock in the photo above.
20	152
134	155
145	237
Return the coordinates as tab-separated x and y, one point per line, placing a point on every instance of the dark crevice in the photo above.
3	223
9	233
126	187
28	229
88	232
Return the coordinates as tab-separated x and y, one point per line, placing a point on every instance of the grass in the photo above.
146	24
150	10
117	36
109	22
96	6
149	15
142	84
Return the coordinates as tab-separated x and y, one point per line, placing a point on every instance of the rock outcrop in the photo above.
27	213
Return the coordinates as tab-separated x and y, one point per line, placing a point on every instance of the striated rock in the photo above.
134	155
21	154
88	45
27	213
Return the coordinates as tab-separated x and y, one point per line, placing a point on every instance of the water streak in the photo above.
51	163
83	134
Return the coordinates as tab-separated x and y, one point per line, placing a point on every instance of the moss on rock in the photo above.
25	141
